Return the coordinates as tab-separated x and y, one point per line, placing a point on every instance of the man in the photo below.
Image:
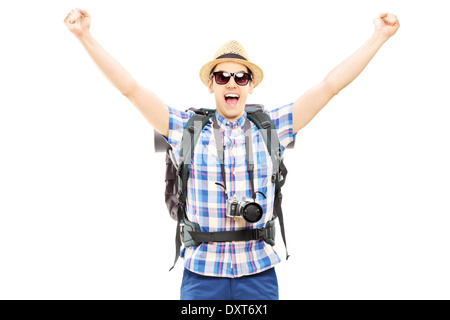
238	269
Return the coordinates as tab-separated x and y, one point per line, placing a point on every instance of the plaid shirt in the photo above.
206	203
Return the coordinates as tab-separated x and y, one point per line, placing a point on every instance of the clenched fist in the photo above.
78	22
387	24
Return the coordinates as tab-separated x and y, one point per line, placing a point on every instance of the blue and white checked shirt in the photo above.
206	203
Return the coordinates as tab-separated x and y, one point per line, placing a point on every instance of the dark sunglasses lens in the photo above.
241	78
222	77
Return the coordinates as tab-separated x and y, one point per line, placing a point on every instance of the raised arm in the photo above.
313	100
152	108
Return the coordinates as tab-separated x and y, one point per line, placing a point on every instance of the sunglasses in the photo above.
241	78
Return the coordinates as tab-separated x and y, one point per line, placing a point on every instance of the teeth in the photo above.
232	96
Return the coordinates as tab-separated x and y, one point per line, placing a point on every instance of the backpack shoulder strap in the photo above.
270	136
191	133
268	131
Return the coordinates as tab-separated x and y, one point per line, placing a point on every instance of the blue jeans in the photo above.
259	286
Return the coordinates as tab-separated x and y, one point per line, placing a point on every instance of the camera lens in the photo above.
252	212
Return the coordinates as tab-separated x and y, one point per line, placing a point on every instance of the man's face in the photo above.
229	107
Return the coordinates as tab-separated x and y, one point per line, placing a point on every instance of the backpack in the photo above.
176	177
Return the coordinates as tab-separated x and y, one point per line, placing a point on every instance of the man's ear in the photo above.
251	86
210	86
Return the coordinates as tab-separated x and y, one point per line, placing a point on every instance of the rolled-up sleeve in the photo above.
282	118
177	122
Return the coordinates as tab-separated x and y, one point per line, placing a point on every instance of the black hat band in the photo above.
231	56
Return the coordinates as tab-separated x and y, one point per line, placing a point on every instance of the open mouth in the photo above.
231	99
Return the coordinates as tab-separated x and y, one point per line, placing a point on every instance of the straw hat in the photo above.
231	51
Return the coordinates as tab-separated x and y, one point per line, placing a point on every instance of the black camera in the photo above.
246	208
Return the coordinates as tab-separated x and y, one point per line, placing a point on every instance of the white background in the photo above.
82	214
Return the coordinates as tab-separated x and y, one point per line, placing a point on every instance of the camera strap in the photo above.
248	150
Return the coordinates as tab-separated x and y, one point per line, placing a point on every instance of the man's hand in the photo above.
78	22
386	24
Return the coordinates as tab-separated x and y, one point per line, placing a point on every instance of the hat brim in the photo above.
205	71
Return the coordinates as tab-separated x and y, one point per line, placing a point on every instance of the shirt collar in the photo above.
226	124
